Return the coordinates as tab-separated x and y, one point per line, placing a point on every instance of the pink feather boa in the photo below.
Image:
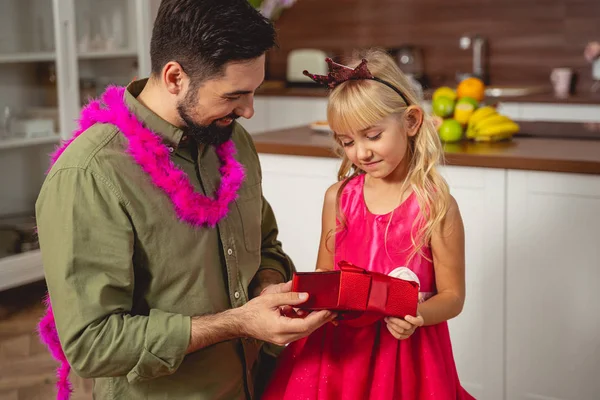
152	155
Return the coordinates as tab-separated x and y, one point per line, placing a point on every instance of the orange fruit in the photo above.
471	87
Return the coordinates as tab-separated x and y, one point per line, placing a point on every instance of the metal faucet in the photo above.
479	46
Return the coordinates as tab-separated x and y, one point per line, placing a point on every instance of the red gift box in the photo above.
360	297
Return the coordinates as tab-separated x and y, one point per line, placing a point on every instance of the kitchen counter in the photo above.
553	147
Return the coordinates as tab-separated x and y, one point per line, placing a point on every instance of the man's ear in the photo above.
174	77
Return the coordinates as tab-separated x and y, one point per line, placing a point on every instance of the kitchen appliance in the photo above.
410	61
312	60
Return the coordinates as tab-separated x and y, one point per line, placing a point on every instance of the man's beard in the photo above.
211	134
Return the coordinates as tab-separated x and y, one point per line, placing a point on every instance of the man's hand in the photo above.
262	319
286	311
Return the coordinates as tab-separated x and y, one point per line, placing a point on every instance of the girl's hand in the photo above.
402	329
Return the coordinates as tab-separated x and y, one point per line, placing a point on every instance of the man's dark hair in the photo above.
204	35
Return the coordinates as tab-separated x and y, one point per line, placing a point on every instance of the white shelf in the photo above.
6	144
27	57
107	54
21	269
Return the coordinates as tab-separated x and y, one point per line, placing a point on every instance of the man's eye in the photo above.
233	98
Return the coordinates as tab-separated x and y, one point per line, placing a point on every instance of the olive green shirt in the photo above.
125	274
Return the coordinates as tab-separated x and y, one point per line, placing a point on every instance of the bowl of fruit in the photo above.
461	114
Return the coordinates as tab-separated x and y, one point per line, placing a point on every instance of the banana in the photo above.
494	138
482	113
504	128
486	124
492	120
471	132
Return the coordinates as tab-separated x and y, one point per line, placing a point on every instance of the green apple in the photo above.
450	131
443	106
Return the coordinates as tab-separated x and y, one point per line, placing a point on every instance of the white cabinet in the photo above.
289	112
552	112
53	54
478	332
295	187
278	112
553	276
530	328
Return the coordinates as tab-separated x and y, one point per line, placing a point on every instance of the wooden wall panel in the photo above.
526	38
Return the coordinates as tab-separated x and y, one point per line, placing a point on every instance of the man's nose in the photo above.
246	109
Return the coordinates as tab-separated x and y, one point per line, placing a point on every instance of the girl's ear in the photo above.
413	119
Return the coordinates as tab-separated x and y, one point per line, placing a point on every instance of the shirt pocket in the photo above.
249	205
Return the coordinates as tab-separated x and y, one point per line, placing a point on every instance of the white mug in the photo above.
561	81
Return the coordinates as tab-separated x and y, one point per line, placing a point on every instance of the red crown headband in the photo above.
339	73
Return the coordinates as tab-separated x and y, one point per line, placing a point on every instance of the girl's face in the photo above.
379	150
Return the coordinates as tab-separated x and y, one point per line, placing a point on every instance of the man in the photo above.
162	263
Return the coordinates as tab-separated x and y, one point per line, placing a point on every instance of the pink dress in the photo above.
369	363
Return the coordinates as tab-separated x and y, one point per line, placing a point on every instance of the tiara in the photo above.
339	73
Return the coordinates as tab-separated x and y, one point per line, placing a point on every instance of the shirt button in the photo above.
229	252
236	295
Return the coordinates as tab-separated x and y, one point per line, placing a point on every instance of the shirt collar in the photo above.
171	134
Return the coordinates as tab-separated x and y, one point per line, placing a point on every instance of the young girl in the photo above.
390	209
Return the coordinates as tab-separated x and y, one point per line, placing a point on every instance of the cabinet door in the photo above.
28	72
291	112
559	112
29	119
112	43
295	187
553	275
478	332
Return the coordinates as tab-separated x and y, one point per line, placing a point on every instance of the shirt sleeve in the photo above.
87	242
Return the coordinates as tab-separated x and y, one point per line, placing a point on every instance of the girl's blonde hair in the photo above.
357	104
